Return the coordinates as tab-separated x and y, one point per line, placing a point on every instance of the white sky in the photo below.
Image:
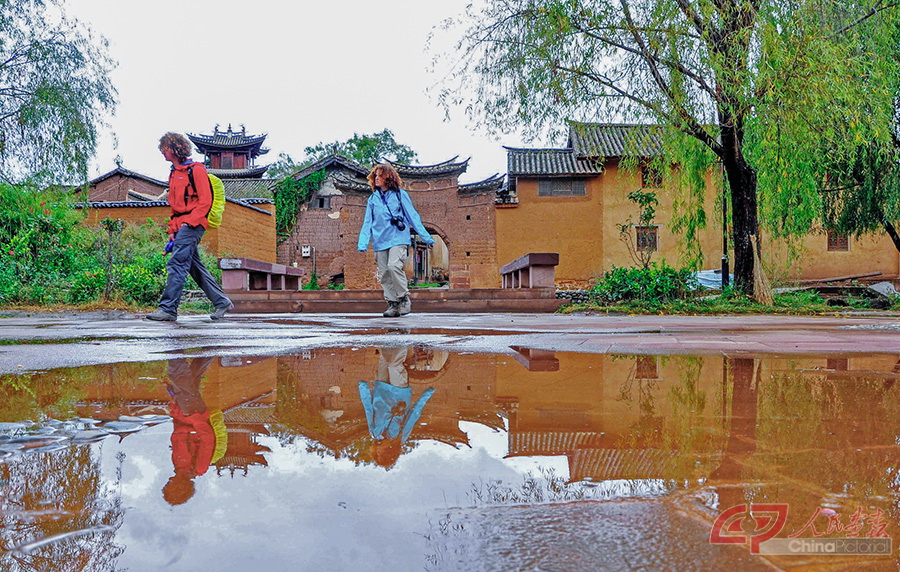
303	72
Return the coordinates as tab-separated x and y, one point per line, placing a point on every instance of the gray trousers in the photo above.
184	261
390	272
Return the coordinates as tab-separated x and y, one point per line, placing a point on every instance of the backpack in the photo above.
214	216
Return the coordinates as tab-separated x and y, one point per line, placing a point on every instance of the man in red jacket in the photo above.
190	207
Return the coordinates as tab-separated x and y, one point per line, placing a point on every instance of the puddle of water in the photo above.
369	451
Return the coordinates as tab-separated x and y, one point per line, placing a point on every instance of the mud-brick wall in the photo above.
157	212
116	188
322	230
245	232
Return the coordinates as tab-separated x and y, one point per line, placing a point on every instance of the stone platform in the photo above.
482	300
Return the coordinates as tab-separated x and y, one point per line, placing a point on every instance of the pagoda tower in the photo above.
231	154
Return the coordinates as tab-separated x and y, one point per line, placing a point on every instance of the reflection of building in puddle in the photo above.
649	417
319	396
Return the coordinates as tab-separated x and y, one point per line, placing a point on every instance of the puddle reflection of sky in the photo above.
300	480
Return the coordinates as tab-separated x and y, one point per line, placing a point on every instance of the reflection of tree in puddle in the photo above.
57	513
673	437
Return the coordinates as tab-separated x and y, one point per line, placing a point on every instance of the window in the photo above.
321	203
561	188
227	161
646	368
651	177
838	242
647	238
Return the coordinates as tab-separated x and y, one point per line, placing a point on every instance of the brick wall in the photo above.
116	187
464	222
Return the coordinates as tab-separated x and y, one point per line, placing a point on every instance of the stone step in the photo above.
372	301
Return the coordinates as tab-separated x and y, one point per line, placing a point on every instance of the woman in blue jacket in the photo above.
390	216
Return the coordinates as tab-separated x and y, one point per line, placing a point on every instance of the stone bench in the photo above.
247	274
534	270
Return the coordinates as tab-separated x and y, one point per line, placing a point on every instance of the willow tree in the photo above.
773	91
55	90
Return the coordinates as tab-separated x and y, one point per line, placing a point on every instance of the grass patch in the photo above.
790	303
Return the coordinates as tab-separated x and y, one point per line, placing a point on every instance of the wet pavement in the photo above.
445	442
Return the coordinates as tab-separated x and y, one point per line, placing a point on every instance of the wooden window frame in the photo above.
641	232
562	187
837	242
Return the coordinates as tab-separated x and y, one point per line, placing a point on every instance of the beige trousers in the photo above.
391	273
391	368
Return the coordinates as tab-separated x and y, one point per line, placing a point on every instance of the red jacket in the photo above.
195	210
193	441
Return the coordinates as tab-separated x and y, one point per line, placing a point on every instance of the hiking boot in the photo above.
405	305
161	315
393	310
219	313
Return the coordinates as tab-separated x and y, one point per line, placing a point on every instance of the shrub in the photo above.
658	282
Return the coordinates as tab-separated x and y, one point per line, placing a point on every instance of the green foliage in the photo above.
313	283
285	166
290	196
366	149
48	257
728	302
334	286
657	282
56	91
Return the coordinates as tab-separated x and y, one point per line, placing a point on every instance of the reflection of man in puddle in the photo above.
193	436
390	413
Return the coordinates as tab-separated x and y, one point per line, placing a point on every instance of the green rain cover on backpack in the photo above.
214	216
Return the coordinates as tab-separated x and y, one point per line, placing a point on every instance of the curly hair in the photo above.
391	177
176	143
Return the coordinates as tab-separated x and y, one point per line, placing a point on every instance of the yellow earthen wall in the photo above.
244	232
584	231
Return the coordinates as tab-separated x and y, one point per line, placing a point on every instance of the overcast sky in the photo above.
302	72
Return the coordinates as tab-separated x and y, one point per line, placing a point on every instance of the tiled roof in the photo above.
136	196
247	173
549	442
247	203
126	173
448	167
614	140
345	183
120	204
249	188
535	162
229	140
330	161
490	185
603	464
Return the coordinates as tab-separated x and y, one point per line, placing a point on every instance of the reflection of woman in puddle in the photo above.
390	413
193	436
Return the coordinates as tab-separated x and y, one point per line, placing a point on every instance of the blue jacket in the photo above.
377	223
378	402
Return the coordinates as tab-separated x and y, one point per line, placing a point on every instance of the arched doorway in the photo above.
430	265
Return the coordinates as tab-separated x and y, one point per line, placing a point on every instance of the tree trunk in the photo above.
742	182
892	232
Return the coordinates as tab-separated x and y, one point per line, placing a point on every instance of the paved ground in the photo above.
43	341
